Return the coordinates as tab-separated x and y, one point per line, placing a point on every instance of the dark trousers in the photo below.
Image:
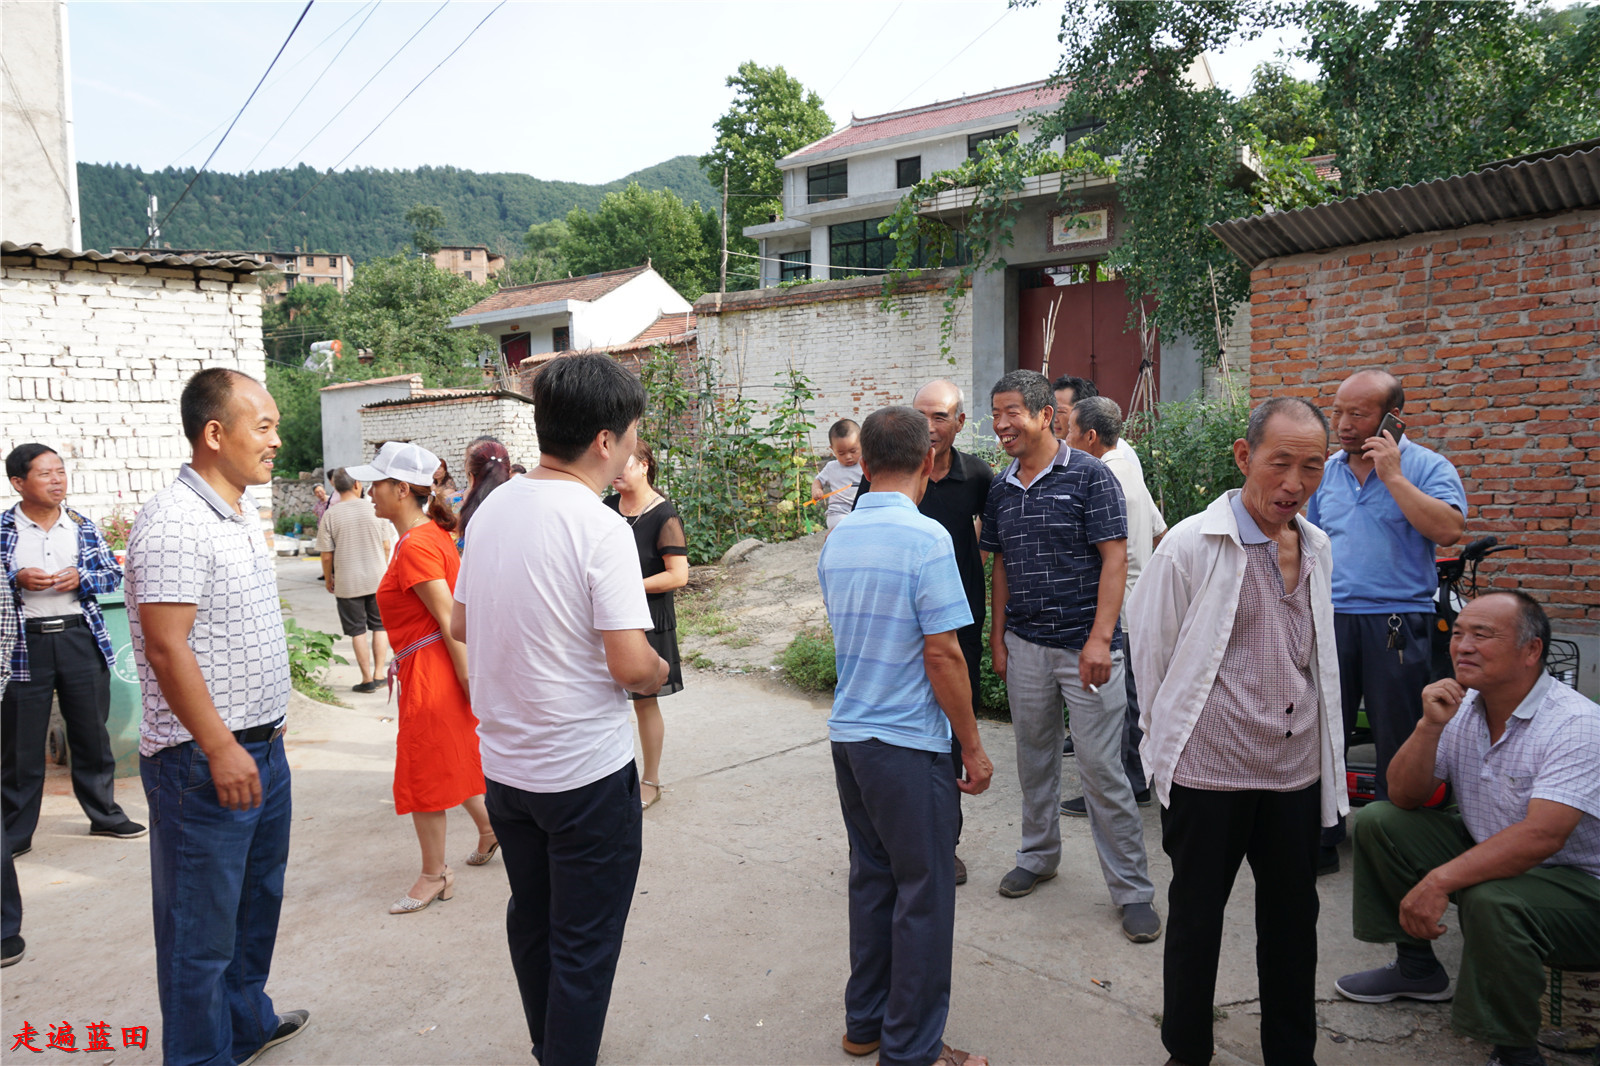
67	664
572	859
900	808
216	893
1370	669
1131	733
971	640
11	912
1206	834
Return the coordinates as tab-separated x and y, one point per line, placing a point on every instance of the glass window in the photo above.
975	139
907	172
827	181
858	246
469	275
561	338
467	255
794	266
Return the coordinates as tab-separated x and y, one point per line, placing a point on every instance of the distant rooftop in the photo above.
587	289
995	104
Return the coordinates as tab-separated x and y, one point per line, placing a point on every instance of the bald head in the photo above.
942	393
1383	388
1360	404
941	402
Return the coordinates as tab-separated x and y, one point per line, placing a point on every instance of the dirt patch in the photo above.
747	613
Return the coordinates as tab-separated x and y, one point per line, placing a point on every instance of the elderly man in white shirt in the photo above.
1094	425
1232	645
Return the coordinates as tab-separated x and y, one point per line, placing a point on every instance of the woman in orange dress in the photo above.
436	754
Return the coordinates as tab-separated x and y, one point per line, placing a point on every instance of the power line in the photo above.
276	81
829	94
368	82
952	59
303	12
392	110
312	87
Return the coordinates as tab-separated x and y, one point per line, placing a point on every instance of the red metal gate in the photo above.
1093	339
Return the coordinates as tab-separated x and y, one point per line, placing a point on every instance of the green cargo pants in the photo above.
1511	928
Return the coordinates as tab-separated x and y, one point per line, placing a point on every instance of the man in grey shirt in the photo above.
355	545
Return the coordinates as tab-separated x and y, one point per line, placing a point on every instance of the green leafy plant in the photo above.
1186	449
286	523
808	661
310	654
114	529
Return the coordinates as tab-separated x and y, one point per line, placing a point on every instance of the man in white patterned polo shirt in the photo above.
1231	626
1521	856
213	665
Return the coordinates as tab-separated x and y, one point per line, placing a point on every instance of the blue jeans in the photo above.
216	890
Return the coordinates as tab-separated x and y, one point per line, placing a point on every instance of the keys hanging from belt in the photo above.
1396	644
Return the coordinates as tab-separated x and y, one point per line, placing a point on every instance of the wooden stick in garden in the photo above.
723	287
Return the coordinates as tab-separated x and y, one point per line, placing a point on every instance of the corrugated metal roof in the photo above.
1560	179
427	396
239	262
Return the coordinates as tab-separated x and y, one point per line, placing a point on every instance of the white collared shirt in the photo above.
50	550
1180	618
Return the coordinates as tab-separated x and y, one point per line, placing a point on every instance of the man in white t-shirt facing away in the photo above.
551	607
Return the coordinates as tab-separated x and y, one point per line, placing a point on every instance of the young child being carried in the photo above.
840	478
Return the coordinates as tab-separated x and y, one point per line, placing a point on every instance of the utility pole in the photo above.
724	285
153	227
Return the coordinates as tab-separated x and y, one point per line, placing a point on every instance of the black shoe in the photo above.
1387	983
367	686
1140	922
1327	861
1020	882
1066	747
1075	807
22	849
127	829
289	1026
1506	1055
961	871
11	950
1143	798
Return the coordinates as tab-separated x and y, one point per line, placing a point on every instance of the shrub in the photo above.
1186	448
310	653
286	523
808	661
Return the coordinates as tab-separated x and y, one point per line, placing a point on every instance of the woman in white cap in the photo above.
436	763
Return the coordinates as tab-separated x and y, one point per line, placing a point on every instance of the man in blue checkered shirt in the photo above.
55	564
1057	524
1521	858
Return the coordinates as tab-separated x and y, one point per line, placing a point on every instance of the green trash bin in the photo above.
122	723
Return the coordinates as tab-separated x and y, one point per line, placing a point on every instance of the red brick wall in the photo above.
1494	332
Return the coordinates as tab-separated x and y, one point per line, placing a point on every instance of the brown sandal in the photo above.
951	1057
853	1048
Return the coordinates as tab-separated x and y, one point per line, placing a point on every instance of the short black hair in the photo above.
577	396
341	481
206	397
1293	406
894	440
1032	386
1532	622
844	429
20	460
1101	415
1082	388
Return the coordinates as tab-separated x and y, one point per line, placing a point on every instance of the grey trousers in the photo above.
1038	679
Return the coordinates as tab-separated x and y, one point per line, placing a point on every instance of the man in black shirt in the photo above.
955	498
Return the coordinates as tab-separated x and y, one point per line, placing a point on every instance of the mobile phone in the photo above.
1392	426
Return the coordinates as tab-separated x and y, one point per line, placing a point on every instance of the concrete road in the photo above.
736	945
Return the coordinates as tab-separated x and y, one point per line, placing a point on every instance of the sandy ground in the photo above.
736	943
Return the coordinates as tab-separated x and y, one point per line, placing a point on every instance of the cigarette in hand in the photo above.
1095	689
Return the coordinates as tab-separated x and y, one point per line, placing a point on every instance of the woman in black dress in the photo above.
664	559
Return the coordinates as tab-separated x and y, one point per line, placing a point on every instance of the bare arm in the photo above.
166	628
632	662
1435	519
1514	850
458	621
947	670
435	596
327	570
999	596
1411	772
675	577
1094	661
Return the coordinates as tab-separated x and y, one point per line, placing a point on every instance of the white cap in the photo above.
411	463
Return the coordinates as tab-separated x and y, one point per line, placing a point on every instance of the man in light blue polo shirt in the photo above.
1384	529
895	601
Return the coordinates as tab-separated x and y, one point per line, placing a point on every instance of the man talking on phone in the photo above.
1385	502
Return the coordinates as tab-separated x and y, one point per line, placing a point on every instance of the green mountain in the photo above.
359	212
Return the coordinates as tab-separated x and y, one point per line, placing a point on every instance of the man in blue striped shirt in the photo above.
895	602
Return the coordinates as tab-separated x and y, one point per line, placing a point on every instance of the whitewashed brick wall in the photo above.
859	358
446	425
94	356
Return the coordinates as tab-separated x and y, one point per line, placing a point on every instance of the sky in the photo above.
585	92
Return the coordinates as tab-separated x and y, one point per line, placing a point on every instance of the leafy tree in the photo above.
424	219
297	392
636	225
1287	110
303	316
543	259
400	308
772	115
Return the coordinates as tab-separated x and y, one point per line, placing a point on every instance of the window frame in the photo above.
900	168
834	177
975	139
561	339
794	266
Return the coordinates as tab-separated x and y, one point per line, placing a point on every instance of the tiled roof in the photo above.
664	328
997	104
588	289
415	381
241	262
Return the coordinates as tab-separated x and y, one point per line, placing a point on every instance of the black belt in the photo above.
257	733
52	625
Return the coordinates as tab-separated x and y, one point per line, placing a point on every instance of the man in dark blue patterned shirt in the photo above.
1057	525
